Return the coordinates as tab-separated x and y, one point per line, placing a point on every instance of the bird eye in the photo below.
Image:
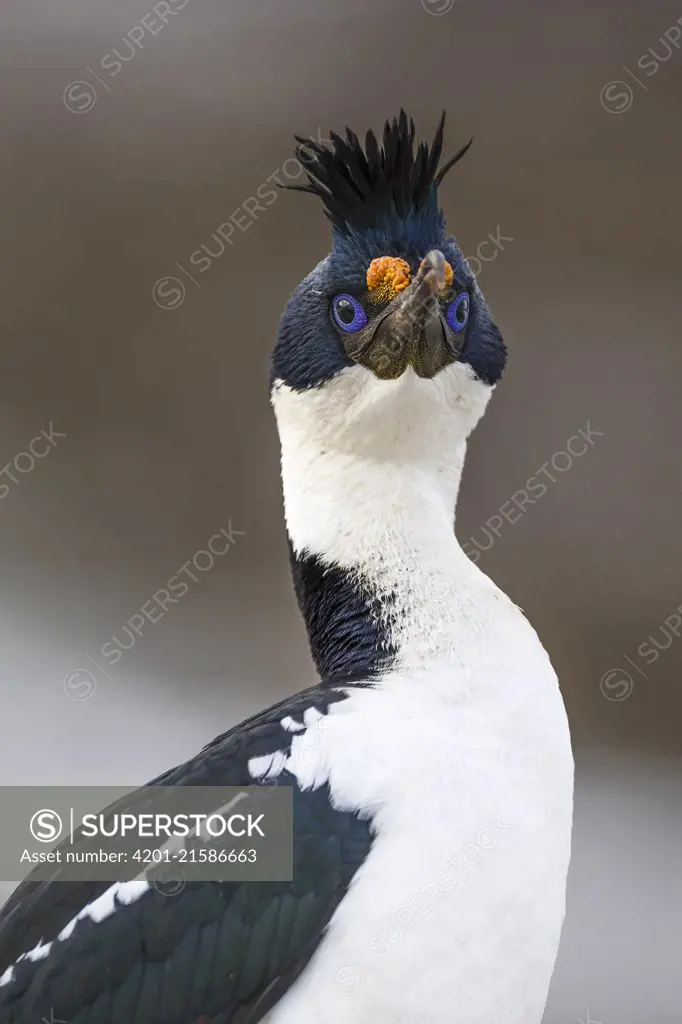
348	313
457	313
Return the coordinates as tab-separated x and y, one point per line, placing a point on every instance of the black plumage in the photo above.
348	626
218	951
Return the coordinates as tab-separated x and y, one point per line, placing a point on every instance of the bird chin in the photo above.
360	416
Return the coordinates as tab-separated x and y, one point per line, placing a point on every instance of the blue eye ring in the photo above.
457	313
342	306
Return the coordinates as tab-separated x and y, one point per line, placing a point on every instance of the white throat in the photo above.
370	474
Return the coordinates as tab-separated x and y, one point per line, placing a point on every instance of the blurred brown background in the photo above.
111	183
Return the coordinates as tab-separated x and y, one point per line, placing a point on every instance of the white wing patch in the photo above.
268	766
289	724
98	910
304	751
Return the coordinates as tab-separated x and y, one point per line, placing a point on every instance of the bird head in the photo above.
391	327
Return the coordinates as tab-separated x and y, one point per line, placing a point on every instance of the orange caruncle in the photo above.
386	276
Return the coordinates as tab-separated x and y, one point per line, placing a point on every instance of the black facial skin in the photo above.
411	330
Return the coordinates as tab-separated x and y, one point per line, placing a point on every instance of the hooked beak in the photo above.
411	331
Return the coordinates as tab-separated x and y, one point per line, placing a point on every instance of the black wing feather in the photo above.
218	952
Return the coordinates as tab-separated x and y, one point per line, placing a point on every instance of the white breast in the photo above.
456	914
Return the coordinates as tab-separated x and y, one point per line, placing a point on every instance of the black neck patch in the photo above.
348	627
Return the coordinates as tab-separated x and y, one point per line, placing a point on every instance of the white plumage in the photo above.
460	754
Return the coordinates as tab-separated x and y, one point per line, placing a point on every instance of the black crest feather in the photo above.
360	186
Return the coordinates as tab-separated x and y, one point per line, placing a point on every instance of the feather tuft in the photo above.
361	186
